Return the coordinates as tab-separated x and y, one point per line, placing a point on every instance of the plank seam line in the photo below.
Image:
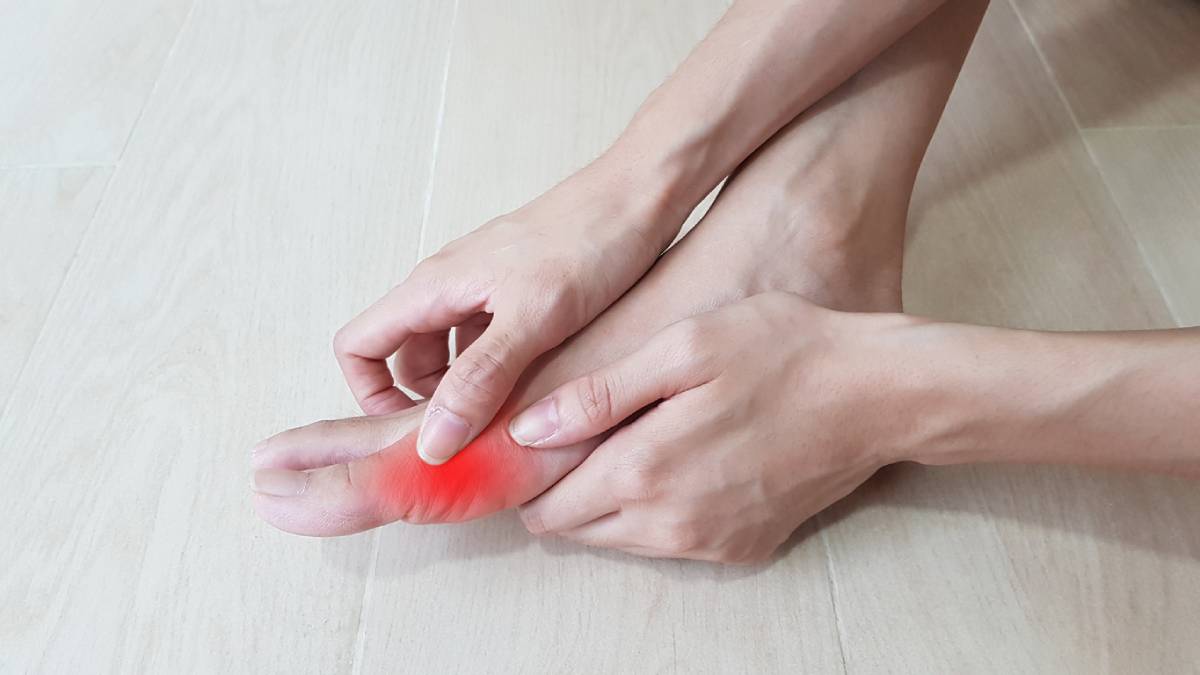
49	166
360	638
437	136
17	381
833	593
137	122
1079	134
92	219
1141	127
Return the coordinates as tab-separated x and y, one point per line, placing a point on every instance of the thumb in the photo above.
594	403
473	389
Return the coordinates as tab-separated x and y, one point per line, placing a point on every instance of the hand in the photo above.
514	288
764	412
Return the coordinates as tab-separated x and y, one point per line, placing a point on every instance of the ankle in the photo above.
829	245
824	220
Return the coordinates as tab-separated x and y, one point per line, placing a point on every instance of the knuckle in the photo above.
773	298
507	220
680	538
432	282
633	481
417	515
595	396
343	341
323	429
433	278
768	306
566	298
691	342
555	304
695	337
477	376
345	506
428	265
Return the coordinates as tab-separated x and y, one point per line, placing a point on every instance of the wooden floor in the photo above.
194	194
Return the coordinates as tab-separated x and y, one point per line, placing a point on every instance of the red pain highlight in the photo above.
490	474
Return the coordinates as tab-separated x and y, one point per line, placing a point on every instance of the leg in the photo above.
819	210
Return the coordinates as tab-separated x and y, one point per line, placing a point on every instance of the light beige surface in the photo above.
294	159
75	75
266	194
1154	176
1122	63
43	217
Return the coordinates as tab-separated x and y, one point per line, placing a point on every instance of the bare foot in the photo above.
343	476
818	211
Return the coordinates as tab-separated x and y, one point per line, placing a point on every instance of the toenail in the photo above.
280	482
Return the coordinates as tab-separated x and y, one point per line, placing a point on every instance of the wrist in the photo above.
974	392
1003	395
669	167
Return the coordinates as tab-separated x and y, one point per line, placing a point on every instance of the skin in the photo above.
768	409
526	281
827	196
791	427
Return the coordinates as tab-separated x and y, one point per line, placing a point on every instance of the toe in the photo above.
491	474
320	502
333	441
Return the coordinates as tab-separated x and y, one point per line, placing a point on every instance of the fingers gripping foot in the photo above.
345	476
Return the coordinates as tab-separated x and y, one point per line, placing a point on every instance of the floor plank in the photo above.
283	175
265	197
45	214
76	74
1011	224
1154	175
1122	63
485	597
993	569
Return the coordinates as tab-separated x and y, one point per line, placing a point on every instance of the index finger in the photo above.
363	346
593	403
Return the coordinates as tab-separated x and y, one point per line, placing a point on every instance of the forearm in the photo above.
764	63
1122	399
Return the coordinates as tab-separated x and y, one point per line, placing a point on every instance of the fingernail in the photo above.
442	435
258	448
280	482
536	424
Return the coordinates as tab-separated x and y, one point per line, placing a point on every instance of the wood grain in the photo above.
1122	63
1013	569
1011	224
45	214
265	197
1154	175
75	75
289	161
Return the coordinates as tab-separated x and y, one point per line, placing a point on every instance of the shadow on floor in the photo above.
1126	93
1150	513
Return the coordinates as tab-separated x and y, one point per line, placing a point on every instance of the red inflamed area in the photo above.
491	474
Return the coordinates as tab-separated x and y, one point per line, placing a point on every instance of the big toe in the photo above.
491	474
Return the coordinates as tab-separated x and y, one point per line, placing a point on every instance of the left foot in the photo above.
345	476
801	216
818	211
